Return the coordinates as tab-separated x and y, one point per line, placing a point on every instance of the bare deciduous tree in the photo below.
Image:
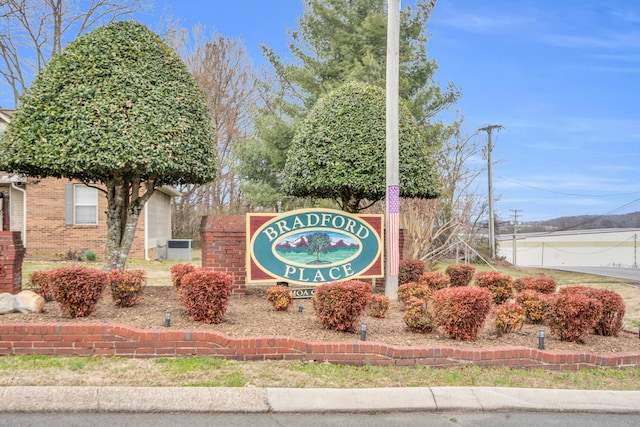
432	225
32	31
223	71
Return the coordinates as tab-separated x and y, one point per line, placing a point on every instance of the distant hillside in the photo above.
583	222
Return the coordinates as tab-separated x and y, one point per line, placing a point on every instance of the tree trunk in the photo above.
123	211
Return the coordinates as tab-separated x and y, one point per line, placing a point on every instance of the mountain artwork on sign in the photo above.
317	248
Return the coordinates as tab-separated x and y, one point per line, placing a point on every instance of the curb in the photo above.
318	400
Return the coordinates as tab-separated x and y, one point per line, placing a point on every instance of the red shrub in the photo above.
413	289
41	284
460	312
572	317
435	280
460	274
500	285
417	316
535	305
280	297
379	305
613	308
543	284
178	271
205	294
339	305
77	289
411	270
126	286
508	317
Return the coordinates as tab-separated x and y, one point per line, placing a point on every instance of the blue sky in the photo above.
561	77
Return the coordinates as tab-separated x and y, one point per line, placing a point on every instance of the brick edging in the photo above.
101	339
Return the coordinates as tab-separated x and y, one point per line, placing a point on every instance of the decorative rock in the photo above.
23	302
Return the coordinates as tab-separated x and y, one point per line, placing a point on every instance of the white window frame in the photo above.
89	203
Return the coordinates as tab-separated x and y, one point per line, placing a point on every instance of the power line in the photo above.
567	194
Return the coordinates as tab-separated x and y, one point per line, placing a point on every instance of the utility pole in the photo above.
392	169
515	233
492	236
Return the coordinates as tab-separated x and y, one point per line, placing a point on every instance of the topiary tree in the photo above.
339	151
116	107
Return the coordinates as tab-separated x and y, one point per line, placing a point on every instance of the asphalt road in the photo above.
431	419
632	274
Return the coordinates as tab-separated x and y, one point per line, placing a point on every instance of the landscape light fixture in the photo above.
167	319
363	331
300	308
541	339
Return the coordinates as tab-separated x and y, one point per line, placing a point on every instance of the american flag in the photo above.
393	228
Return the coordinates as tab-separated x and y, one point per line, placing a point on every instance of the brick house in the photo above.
55	216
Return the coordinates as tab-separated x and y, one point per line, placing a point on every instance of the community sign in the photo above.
314	246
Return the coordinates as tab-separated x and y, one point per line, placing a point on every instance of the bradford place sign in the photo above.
314	246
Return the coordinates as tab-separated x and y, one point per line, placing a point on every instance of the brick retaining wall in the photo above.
100	339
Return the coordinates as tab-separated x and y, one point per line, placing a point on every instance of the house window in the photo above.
81	205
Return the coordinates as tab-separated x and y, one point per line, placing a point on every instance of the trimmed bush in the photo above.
460	312
339	305
535	305
460	274
379	305
417	316
77	289
205	295
41	284
542	284
500	285
613	308
508	317
435	280
280	297
178	271
572	317
413	289
411	270
126	287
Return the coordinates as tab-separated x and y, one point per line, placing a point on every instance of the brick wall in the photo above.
92	339
224	247
47	232
11	256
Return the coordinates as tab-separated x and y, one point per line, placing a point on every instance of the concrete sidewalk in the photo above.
222	399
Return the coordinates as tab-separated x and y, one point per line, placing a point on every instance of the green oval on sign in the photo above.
315	246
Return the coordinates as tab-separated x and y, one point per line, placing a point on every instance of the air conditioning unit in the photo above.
179	249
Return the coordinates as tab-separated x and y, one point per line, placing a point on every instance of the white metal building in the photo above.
610	247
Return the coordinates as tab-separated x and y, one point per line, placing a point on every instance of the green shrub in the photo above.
410	270
413	289
417	316
379	305
40	282
205	295
126	287
572	317
435	280
535	305
339	305
77	289
460	274
542	284
613	308
460	312
500	285
280	297
508	317
178	271
90	255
